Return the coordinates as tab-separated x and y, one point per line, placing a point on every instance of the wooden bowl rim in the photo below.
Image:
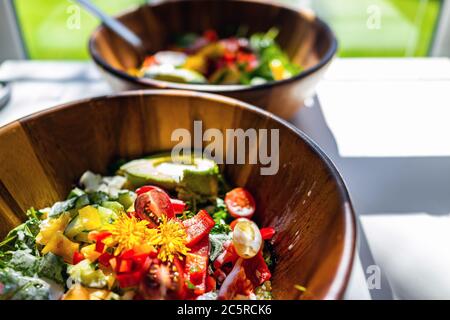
328	56
340	281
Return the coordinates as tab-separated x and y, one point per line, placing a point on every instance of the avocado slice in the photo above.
172	74
192	175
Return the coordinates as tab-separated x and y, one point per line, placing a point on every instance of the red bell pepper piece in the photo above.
219	275
104	259
129	254
125	266
77	257
196	266
178	205
149	61
198	227
210	284
127	280
98	237
257	270
267	233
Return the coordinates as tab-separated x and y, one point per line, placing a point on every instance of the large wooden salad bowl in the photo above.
306	39
307	203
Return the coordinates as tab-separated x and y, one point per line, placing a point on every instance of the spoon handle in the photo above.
119	28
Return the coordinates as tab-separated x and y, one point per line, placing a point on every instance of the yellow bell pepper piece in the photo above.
77	292
49	228
199	61
99	294
61	246
277	69
196	63
90	218
90	253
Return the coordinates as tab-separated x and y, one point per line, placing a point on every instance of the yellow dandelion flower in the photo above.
171	240
127	232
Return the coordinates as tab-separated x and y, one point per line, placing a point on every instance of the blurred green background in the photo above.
59	29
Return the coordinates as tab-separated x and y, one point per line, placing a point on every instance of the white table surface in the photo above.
392	176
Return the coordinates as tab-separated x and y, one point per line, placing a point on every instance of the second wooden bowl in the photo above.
305	38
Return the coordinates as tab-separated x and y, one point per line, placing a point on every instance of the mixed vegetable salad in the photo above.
206	59
158	229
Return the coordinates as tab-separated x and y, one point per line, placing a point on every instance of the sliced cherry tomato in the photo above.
267	233
77	257
248	59
235	221
257	270
198	227
177	205
152	205
236	283
164	281
247	240
149	61
240	203
145	189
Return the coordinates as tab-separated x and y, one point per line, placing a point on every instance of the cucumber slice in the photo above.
74	228
75	192
83	236
82	201
115	206
172	74
126	198
107	215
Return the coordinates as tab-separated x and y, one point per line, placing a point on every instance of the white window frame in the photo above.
12	46
441	43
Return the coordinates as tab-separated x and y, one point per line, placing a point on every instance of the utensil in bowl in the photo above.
305	38
306	201
116	26
5	93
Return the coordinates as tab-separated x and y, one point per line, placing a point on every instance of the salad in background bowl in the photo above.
207	59
282	55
